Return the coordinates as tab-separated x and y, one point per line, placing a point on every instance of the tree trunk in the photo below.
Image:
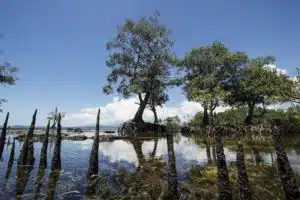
248	119
244	185
225	187
94	157
139	114
56	160
211	116
205	119
155	114
208	153
3	135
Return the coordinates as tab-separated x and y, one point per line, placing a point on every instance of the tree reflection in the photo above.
53	178
137	145
10	162
245	187
26	160
225	188
56	163
93	160
153	153
56	160
172	191
43	162
3	135
286	173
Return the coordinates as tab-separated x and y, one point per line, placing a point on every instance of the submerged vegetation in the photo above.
156	178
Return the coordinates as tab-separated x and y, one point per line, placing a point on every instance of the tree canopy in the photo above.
140	61
255	84
7	76
292	90
206	72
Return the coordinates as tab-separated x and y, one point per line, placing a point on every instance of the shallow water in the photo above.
119	154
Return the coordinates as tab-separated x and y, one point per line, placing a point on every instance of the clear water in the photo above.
120	154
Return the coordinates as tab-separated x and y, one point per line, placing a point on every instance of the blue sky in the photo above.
59	45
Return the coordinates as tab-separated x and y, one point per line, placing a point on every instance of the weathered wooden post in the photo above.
3	135
56	160
43	155
26	160
93	161
27	151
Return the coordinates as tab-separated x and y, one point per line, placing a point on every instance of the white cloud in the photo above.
279	70
121	110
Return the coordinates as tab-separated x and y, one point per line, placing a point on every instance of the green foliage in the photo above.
254	84
54	115
202	66
158	97
78	130
197	120
288	119
140	61
7	76
207	70
233	116
292	91
141	56
174	121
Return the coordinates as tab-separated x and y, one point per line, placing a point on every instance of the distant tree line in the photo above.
288	119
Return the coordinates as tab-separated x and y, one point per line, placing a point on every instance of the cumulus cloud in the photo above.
279	70
120	110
